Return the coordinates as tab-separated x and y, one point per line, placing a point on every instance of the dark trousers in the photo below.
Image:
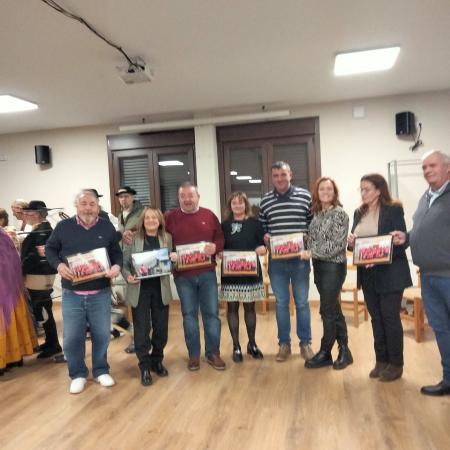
384	310
152	315
42	301
329	277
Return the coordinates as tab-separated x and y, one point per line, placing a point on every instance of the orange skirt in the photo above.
20	339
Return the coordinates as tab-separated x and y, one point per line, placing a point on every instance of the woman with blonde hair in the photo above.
149	297
242	232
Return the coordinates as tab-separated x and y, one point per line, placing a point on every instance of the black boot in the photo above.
344	358
237	354
48	352
146	378
159	369
254	351
321	359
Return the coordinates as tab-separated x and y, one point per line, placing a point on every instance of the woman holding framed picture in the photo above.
149	297
327	241
382	285
242	232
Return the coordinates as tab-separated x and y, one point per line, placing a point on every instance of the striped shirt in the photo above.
286	213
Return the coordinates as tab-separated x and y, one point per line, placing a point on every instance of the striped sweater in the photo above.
286	213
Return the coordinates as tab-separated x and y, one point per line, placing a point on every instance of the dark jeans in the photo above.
329	277
40	301
384	310
152	315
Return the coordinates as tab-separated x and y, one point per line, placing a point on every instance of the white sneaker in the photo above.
106	380
77	385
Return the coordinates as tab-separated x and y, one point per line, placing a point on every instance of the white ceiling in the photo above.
210	55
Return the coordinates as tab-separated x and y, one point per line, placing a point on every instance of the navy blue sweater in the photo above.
69	238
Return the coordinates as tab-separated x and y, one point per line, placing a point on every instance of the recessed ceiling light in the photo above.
233	172
255	181
9	104
243	177
365	61
170	163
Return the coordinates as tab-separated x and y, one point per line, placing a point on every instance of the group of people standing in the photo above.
286	209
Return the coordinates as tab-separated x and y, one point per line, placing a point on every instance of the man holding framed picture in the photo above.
88	302
286	210
197	286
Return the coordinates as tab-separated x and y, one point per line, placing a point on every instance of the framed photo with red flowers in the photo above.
286	246
373	250
239	263
89	265
192	256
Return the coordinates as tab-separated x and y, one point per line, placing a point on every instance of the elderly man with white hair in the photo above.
88	302
430	247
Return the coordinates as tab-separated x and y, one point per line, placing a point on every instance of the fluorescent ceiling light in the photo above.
365	61
233	172
9	104
243	177
255	181
170	163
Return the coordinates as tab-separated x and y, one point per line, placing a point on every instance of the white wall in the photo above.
349	149
79	160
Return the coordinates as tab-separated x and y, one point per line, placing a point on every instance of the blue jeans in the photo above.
195	291
436	300
78	311
281	273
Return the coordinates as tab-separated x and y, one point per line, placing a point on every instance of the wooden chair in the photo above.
351	287
413	295
269	295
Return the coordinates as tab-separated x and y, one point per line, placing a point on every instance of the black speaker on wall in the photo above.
42	153
405	123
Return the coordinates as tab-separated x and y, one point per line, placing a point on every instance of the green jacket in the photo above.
131	222
133	290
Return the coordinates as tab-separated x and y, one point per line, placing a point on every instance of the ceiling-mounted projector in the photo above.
138	72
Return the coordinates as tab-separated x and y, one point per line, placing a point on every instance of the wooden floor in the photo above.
253	405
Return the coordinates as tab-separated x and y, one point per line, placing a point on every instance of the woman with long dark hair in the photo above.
382	285
327	241
149	297
242	232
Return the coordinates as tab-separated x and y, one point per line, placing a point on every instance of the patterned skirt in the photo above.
20	339
245	293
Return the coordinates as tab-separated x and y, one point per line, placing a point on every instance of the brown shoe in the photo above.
194	363
376	371
283	353
216	361
391	373
306	352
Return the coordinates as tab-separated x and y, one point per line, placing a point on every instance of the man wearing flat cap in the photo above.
39	275
130	211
